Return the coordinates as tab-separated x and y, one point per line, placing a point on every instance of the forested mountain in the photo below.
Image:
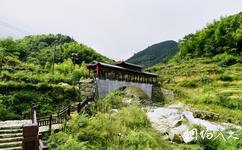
204	77
155	54
31	69
222	36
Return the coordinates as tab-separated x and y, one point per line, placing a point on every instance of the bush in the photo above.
129	128
222	144
225	60
227	102
6	114
76	75
18	97
207	99
224	77
113	100
189	83
206	79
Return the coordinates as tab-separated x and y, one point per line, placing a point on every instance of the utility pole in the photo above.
53	62
75	58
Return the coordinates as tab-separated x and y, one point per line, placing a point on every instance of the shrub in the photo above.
207	99
114	100
49	98
220	143
227	102
136	119
76	75
225	59
6	114
189	83
129	128
206	79
224	77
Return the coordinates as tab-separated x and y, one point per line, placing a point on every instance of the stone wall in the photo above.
157	95
87	87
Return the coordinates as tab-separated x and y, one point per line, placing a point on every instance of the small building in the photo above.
122	71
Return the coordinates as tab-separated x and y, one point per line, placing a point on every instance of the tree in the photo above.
222	36
7	48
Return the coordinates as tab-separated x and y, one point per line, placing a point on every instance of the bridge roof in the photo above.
120	68
124	63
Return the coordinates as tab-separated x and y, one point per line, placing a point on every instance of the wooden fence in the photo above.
32	138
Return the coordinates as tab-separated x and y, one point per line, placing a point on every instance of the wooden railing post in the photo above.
50	120
33	110
31	139
69	111
30	133
78	107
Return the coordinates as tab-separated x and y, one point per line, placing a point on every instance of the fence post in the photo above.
32	112
79	107
30	132
50	121
58	116
69	111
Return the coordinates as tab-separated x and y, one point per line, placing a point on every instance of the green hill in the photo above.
206	73
27	75
222	36
155	54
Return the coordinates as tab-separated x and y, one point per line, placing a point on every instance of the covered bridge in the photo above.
114	76
122	71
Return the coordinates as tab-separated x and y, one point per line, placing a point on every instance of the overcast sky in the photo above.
115	28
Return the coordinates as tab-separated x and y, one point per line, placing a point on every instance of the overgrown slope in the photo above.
155	54
207	71
222	36
205	85
126	128
32	68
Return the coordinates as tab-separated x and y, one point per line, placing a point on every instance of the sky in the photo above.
114	28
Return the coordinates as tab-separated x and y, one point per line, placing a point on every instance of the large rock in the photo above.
176	122
205	115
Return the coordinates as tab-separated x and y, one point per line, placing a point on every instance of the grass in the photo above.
205	84
22	84
127	129
18	98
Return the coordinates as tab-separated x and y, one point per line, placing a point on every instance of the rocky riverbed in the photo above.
176	122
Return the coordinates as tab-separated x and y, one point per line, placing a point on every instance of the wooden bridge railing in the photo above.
32	138
64	114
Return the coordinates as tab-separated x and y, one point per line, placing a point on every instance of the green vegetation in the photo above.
137	92
206	72
129	128
155	54
18	97
220	37
32	68
205	85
